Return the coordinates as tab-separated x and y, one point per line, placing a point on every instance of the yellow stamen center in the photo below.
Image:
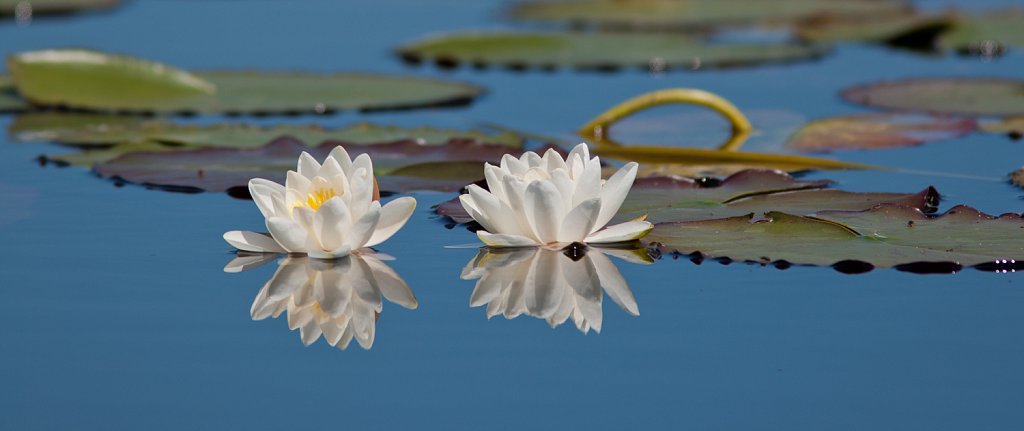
318	197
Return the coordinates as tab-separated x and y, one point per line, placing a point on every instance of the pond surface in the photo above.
117	314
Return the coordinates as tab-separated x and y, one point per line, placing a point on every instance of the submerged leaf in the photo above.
92	130
398	164
598	51
870	131
644	14
960	96
101	82
883	236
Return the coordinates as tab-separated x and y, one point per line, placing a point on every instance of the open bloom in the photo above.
549	285
339	300
325	211
545	201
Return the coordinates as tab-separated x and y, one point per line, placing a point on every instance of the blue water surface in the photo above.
115	312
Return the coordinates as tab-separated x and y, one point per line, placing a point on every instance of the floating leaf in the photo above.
916	31
645	14
398	165
95	81
1017	177
91	130
884	236
54	7
599	51
962	96
870	131
751	191
988	33
10	101
1012	126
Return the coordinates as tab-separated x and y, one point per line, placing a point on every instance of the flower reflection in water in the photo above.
551	285
338	299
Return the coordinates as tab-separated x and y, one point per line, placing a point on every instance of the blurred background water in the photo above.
116	313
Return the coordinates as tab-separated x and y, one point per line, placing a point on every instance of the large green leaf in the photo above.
912	30
752	191
884	236
93	130
401	166
869	131
9	98
54	7
962	96
645	14
600	51
101	82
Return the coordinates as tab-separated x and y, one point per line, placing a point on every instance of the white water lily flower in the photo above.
548	285
339	300
325	211
547	201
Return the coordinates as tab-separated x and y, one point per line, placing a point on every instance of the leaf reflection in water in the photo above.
552	285
338	299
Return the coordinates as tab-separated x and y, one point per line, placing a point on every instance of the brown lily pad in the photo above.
944	96
872	131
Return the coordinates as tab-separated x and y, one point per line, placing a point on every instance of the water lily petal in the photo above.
263	192
363	228
295	181
307	166
622	232
495	184
332	223
515	189
393	216
614	284
342	251
544	288
340	155
391	285
566	188
362	161
288	234
553	160
544	210
614	192
329	169
580	221
513	165
499	216
581	150
588	181
505	240
252	241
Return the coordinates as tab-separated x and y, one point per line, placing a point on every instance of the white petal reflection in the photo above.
339	300
551	285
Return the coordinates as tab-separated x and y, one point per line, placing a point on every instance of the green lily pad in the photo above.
992	31
912	30
96	81
958	96
399	165
753	191
10	101
55	7
645	14
92	130
870	131
598	51
883	236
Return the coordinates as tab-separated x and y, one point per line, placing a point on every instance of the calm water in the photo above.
116	313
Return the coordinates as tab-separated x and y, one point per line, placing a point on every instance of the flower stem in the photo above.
597	129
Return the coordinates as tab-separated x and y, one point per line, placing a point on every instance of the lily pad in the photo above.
1017	177
598	51
96	81
55	7
10	101
92	130
988	33
1012	126
645	14
398	165
753	191
871	131
912	30
883	236
958	96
